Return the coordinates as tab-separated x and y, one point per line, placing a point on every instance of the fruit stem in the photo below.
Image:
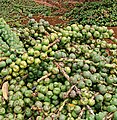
69	91
62	70
90	110
61	107
81	113
3	58
44	77
53	43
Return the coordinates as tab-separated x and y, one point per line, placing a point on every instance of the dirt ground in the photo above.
57	19
63	6
115	30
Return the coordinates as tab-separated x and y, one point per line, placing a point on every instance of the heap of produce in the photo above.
67	73
18	10
103	13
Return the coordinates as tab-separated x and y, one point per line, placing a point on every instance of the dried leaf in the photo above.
5	90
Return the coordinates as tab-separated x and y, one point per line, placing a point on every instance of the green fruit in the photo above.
111	108
85	67
40	96
15	68
8	61
18	60
27	101
107	97
23	64
91	102
2	64
28	112
48	118
1	117
38	104
4	72
77	109
20	116
46	108
102	89
113	101
23	89
86	74
17	109
62	117
2	111
84	101
36	53
99	98
38	46
55	70
101	115
43	56
38	118
45	41
56	91
24	56
44	48
88	82
74	114
43	89
54	97
10	116
49	94
63	88
11	103
30	60
68	70
96	34
115	115
28	93
51	86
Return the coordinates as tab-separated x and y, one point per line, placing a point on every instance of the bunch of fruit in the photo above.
65	73
101	13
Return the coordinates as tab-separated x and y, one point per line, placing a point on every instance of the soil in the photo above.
53	20
115	30
62	6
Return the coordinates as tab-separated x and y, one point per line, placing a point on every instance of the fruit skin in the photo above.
62	117
100	115
2	64
28	112
2	111
115	116
99	98
17	109
111	108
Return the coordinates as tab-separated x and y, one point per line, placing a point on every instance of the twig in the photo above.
56	41
94	95
62	70
69	91
78	91
61	107
3	58
108	117
90	110
81	113
73	60
114	84
43	77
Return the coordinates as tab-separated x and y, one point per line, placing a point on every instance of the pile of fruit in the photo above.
102	13
57	73
17	10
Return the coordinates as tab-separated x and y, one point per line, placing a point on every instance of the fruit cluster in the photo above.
64	73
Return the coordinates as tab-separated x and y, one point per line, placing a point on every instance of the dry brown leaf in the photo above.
5	90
